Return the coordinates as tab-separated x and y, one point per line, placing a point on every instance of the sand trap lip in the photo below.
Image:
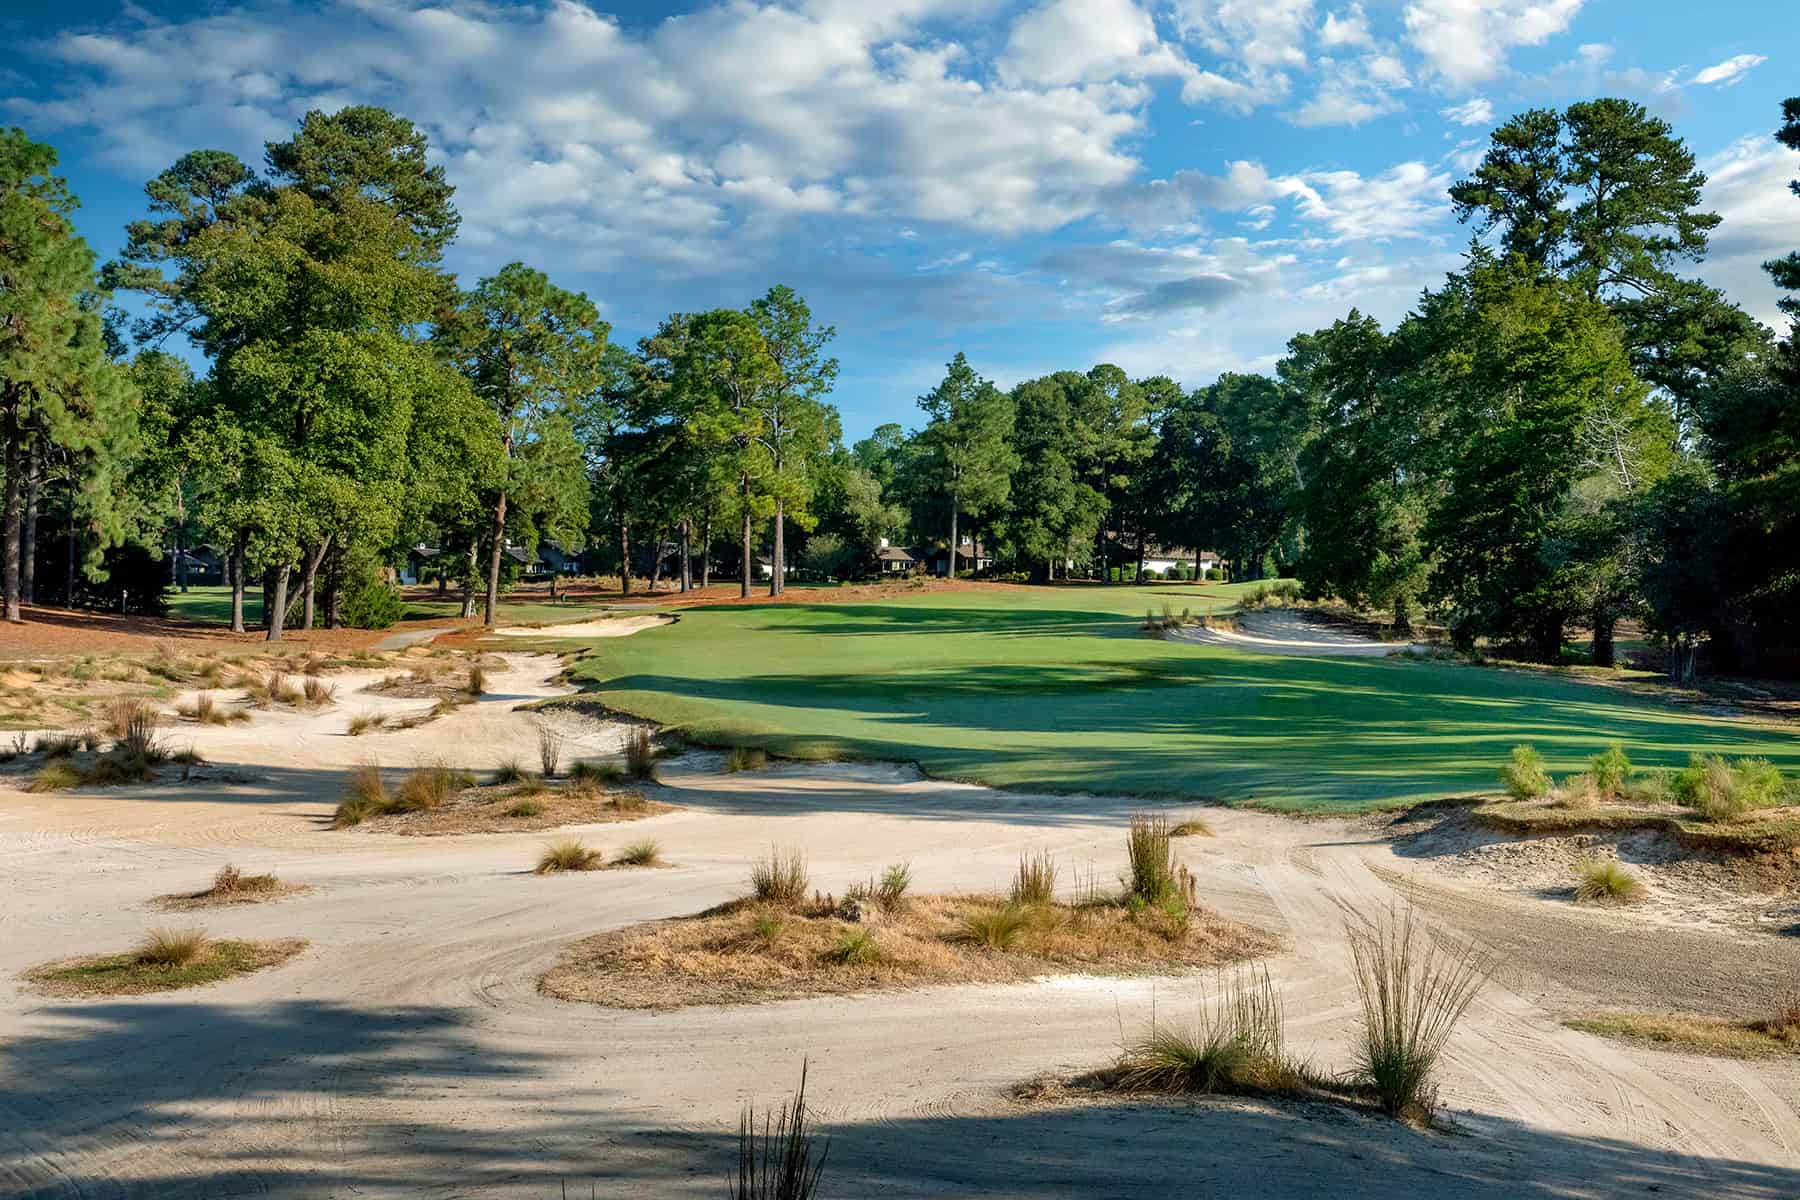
1293	633
597	627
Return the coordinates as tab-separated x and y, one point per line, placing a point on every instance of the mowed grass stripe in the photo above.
1056	689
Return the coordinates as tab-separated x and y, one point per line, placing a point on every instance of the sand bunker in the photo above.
598	627
1288	632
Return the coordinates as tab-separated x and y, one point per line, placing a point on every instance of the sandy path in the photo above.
1283	631
407	1050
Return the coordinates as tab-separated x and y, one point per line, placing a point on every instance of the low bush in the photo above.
1035	880
1524	775
1605	880
784	1160
746	758
1722	791
171	947
780	877
1413	987
568	855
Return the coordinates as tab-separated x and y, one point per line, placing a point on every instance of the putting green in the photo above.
1057	689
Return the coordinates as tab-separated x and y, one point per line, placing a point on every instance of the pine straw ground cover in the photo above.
750	951
134	973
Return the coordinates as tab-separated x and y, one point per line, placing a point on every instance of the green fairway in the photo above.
1057	689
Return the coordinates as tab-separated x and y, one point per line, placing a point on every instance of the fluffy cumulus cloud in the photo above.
1478	111
1747	186
1466	41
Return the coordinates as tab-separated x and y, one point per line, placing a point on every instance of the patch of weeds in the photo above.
56	745
1237	1044
55	777
568	855
363	723
318	693
1606	881
165	961
529	806
1611	772
171	947
890	892
232	882
994	928
1190	827
581	771
857	947
768	927
428	787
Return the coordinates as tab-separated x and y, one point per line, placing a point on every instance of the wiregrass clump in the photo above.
1524	775
1237	1043
363	723
568	854
746	758
640	756
232	882
476	685
1606	881
550	748
1153	877
365	795
1413	985
170	947
1034	882
318	693
1611	772
640	854
995	928
511	770
784	1160
895	880
780	877
429	786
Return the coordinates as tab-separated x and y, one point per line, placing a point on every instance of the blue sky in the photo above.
1176	186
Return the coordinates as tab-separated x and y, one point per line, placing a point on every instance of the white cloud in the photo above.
1731	71
1086	41
1466	41
1747	185
1355	91
1348	28
1478	111
1405	201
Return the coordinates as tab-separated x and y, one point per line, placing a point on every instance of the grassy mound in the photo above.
165	962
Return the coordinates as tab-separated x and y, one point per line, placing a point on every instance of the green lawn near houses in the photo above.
1058	689
213	605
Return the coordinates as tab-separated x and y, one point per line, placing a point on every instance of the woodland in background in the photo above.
1571	430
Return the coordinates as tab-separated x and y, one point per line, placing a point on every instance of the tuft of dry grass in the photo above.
1190	827
318	693
1236	1044
995	928
1606	881
430	786
783	1162
568	855
550	748
363	723
171	947
365	795
745	758
476	684
530	806
1153	877
232	882
640	854
55	777
640	756
1035	880
749	950
1414	986
1775	1037
780	878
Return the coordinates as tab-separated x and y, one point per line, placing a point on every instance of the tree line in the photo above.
1569	431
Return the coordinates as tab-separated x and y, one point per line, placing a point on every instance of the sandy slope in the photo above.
598	627
1283	631
407	1050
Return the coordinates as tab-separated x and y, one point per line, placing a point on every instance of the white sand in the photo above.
599	627
408	1052
1282	631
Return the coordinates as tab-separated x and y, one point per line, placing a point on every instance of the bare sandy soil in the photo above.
408	1050
1290	631
599	627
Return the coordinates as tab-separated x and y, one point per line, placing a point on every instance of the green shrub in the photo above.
857	947
1722	791
1524	775
1611	772
369	602
894	883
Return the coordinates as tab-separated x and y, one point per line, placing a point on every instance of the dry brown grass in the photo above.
1776	1037
570	854
750	951
523	808
129	975
230	886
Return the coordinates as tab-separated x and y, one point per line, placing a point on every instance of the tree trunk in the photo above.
492	605
268	590
687	554
69	548
468	587
1603	637
28	552
278	609
706	552
234	567
310	558
624	554
1140	555
955	502
656	558
778	559
334	589
12	513
1683	651
1402	617
553	585
747	565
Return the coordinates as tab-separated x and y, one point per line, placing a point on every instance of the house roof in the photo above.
895	554
967	549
